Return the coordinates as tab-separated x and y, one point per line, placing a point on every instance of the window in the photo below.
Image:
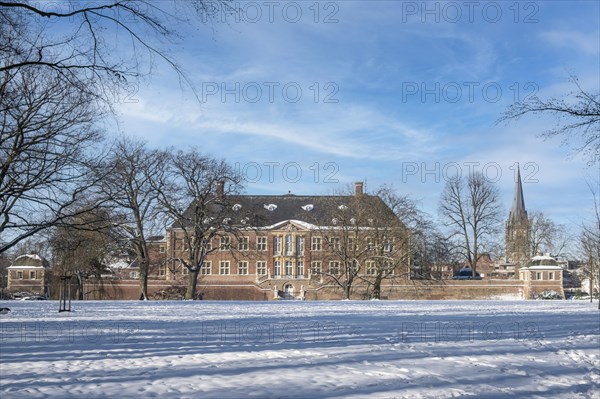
208	245
206	268
289	269
224	267
277	245
387	246
369	241
351	244
316	244
289	249
261	268
538	275
32	275
225	243
300	269
371	268
551	276
243	268
133	275
184	270
334	244
277	269
20	275
261	243
300	245
162	249
243	244
334	267
162	271
315	267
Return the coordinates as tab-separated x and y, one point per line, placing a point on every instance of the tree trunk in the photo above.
347	291
377	287
190	292
144	266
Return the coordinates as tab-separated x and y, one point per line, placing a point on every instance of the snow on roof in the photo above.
119	264
542	267
30	260
270	207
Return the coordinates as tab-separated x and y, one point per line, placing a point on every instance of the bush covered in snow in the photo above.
547	294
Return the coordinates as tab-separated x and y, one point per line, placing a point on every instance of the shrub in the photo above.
547	294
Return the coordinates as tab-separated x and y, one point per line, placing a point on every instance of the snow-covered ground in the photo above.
346	349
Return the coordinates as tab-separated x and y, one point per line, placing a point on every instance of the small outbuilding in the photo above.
542	274
29	274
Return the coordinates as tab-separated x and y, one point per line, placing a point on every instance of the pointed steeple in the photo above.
518	206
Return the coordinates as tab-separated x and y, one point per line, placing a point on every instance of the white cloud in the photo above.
588	43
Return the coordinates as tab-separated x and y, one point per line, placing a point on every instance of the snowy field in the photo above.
347	349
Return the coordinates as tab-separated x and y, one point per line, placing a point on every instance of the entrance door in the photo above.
288	291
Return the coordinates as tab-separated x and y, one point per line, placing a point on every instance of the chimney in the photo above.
220	189
358	188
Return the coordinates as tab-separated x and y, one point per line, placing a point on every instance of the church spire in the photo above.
518	205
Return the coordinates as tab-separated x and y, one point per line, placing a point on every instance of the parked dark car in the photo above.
466	273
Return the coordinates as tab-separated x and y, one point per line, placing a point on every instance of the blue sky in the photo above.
402	93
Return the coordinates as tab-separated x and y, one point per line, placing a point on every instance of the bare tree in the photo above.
546	235
193	190
577	119
345	253
469	208
126	185
590	245
363	240
63	66
81	246
391	252
109	45
47	132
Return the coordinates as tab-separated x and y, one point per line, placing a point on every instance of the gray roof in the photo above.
268	210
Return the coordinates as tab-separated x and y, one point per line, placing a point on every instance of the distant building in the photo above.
542	274
294	252
518	231
29	273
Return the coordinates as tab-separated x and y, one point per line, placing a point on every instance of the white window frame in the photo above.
224	268
316	267
261	268
371	268
277	245
289	244
334	265
300	245
244	244
300	269
261	243
243	268
225	243
206	269
316	244
19	274
277	269
289	268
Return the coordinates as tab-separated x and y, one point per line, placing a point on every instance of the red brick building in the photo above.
300	248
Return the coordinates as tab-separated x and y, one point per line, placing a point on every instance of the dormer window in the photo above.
308	207
270	207
236	207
